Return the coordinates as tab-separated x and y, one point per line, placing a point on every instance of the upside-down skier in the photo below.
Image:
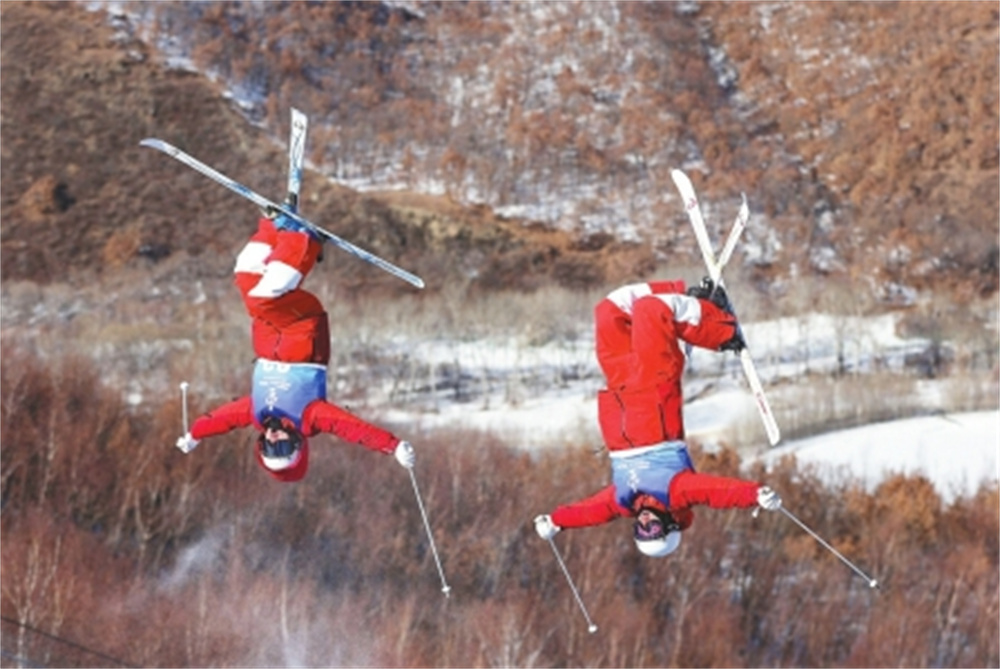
638	330
291	340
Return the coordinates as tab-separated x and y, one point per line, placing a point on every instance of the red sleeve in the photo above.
223	419
690	488
295	249
321	416
664	287
594	510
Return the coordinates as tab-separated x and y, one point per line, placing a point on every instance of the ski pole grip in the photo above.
184	405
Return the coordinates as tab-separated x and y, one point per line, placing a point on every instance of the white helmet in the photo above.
659	547
280	462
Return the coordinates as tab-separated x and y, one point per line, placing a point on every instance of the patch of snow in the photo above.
547	421
543	396
956	452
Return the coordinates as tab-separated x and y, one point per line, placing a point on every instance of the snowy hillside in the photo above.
956	452
856	148
544	396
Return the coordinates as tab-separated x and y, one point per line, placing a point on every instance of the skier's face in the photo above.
277	441
272	435
648	526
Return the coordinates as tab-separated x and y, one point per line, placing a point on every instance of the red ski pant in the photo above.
291	326
642	360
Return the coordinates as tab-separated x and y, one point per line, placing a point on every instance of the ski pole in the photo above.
184	404
445	588
591	627
872	583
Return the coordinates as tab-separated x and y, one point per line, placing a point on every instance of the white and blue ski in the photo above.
266	204
296	157
715	266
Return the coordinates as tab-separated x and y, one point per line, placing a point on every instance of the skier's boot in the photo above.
737	343
708	290
272	212
282	222
716	294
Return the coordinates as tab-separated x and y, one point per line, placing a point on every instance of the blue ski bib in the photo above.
285	389
648	472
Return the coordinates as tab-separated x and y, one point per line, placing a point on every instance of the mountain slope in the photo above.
865	135
81	198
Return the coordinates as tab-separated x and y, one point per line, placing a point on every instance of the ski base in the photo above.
296	157
714	266
268	205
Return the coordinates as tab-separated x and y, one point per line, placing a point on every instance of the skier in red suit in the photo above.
291	340
638	332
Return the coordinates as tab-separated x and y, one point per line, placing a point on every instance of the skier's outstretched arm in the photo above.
218	421
597	509
322	416
690	488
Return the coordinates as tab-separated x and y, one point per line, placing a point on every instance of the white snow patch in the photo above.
956	452
543	422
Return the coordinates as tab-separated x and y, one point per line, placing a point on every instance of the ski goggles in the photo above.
279	448
654	529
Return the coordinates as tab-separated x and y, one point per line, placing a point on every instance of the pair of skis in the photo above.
296	156
715	265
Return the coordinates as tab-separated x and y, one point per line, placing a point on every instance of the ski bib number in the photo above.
284	389
648	471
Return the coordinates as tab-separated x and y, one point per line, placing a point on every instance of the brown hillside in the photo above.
80	196
865	134
894	119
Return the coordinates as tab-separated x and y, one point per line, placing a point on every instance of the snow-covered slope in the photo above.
545	397
957	452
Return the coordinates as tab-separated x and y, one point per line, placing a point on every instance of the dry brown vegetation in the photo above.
865	133
116	267
882	169
115	540
81	201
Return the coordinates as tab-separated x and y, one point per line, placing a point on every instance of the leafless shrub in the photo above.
113	537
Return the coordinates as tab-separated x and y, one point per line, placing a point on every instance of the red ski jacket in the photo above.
687	489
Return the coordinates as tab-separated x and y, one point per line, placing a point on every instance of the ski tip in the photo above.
158	144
